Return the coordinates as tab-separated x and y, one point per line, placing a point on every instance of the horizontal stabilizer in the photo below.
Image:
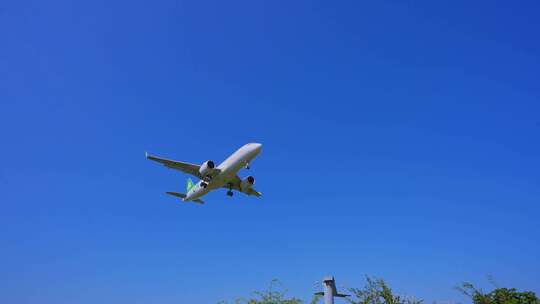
182	196
340	295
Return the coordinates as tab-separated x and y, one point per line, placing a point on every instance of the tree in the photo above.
275	294
376	291
498	296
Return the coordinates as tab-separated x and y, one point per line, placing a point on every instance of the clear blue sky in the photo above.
401	140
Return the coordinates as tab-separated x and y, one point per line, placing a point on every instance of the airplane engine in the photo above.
206	168
247	183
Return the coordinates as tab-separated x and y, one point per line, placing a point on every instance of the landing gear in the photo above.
247	166
230	193
204	185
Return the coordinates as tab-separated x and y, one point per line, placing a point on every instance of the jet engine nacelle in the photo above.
247	183
206	168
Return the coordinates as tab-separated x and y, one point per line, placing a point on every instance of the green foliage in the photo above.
376	291
498	296
275	294
315	299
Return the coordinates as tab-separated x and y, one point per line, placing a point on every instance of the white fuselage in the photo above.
227	171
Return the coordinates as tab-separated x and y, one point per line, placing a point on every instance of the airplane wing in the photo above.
235	182
173	164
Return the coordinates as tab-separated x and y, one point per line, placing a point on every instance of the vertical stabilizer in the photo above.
189	184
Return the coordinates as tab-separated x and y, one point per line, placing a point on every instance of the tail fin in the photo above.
189	184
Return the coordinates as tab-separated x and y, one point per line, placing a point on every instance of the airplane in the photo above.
211	177
330	290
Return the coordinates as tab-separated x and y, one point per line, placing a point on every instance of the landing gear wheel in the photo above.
230	193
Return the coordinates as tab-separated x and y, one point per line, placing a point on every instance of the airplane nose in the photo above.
257	147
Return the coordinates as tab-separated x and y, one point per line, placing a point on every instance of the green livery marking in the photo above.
189	184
